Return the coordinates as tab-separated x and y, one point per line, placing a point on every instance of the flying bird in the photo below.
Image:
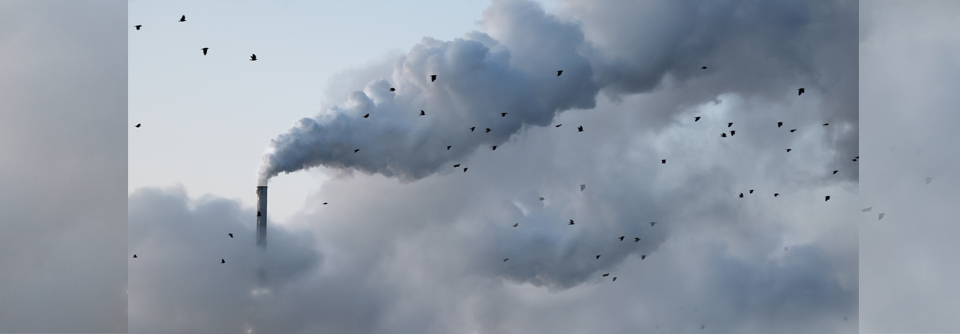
729	124
230	234
733	132
571	222
134	256
258	213
204	51
835	172
741	195
703	68
929	179
779	124
702	326
724	135
137	26
653	223
457	165
464	169
433	78
253	57
793	130
559	72
827	199
515	225
854	159
880	216
494	147
776	194
696	118
392	89
663	161
505	260
223	261
324	203
366	116
643	257
825	124
503	114
357	150
183	18
137	126
598	257
472	128
558	125
800	91
607	274
583	186
487	130
621	237
751	191
614	278
448	147
788	150
422	113
541	198
636	239
580	128
866	209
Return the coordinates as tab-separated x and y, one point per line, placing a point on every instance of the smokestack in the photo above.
262	216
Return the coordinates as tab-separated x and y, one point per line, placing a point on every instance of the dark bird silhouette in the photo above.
505	260
433	78
183	18
223	261
827	199
653	223
464	169
392	89
448	147
751	191
636	239
866	209
614	278
854	159
134	256
357	150
137	126
559	72
503	114
580	128
779	124
703	68
366	116
515	225
324	203
825	124
457	165
880	216
571	222
793	130
204	51
472	128
663	161
583	186
621	237
835	172
422	113
788	150
702	326
598	257
800	91
258	213
733	132
776	194
724	135
494	147
137	26
929	179
741	195
231	235
253	57
643	257
729	124
541	198
696	118
558	125
857	157
607	274
487	130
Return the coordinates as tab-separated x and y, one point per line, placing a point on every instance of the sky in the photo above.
394	239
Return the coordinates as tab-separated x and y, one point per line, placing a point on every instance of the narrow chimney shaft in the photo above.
262	216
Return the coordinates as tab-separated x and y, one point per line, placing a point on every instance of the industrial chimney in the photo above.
262	216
